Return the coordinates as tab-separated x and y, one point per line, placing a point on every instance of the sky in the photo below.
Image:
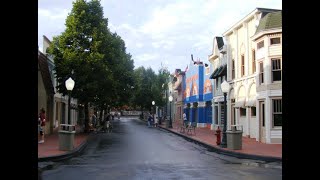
159	32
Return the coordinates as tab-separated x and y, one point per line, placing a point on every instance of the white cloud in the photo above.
139	45
146	57
54	14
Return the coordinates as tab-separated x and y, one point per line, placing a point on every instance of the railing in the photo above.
67	127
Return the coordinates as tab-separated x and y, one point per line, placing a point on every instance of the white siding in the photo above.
275	50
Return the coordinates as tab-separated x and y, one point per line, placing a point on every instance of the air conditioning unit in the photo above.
223	50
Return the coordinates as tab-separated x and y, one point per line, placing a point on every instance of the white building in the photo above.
241	74
268	47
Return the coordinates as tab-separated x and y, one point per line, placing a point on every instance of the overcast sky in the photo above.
159	31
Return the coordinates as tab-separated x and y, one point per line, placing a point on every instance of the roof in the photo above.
263	12
270	21
44	69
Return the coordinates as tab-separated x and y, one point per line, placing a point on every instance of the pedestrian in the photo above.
156	120
119	114
185	120
149	120
42	123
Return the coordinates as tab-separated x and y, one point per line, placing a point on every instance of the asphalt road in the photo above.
134	151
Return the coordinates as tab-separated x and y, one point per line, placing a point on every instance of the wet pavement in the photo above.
134	151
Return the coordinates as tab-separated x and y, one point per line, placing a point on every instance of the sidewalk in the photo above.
251	149
49	150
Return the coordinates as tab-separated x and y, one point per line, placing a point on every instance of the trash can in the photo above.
234	139
66	137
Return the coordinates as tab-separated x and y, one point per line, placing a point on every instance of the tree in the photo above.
81	52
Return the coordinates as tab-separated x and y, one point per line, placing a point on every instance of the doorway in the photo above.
262	134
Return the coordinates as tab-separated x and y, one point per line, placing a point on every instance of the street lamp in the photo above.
69	85
225	89
67	131
153	103
170	122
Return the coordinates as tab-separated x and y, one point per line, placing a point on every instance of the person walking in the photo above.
149	120
185	120
156	120
42	122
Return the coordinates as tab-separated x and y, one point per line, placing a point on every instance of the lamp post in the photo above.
225	88
170	122
153	103
69	85
66	132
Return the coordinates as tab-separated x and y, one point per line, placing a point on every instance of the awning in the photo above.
221	71
213	75
240	103
251	102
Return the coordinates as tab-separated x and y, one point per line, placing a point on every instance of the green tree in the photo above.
83	52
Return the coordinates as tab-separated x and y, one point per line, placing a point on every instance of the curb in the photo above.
75	152
228	152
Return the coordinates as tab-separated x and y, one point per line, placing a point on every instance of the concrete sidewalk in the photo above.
251	149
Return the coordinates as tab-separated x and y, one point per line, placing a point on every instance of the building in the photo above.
241	73
45	91
178	94
268	47
198	94
60	106
218	63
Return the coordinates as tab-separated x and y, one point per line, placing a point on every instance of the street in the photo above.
134	151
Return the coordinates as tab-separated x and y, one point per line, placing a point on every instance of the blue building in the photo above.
198	94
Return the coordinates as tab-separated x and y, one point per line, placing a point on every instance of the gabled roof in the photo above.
270	21
263	11
44	69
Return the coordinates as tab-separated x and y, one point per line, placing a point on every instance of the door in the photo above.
262	124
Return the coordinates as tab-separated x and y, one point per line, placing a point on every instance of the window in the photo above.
243	112
275	41
260	45
242	65
253	61
277	112
233	69
253	111
276	70
218	83
261	73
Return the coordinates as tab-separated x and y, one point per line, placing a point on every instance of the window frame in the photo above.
253	61
260	44
273	112
276	70
261	73
233	70
242	112
272	44
242	65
